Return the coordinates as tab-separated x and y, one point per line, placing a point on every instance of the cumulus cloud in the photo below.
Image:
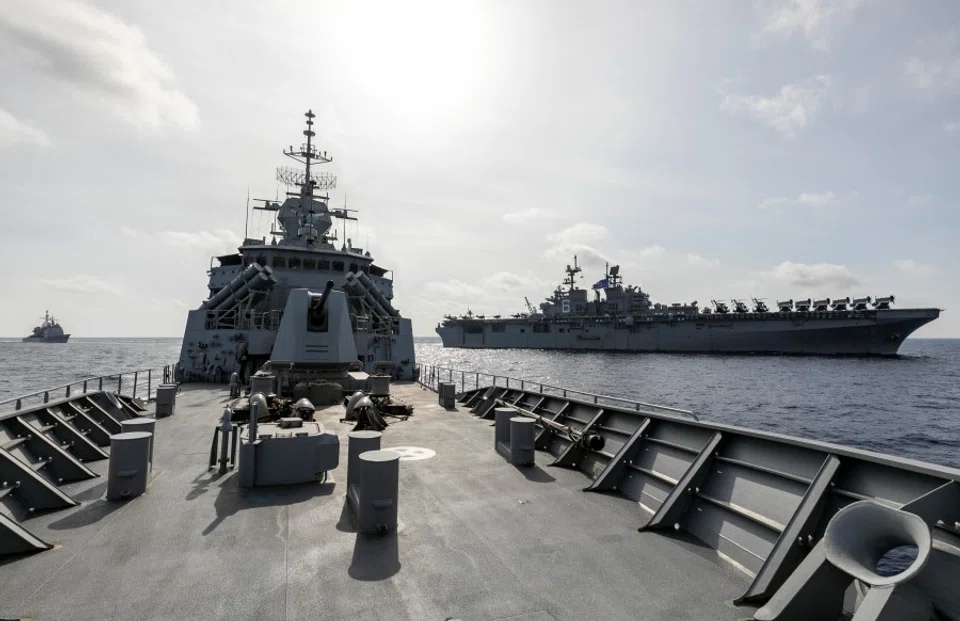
909	266
96	53
582	232
522	217
220	240
577	240
792	108
14	131
83	283
935	63
919	200
454	291
814	19
808	199
700	261
505	281
813	276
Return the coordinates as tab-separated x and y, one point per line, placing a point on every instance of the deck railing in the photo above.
431	375
139	383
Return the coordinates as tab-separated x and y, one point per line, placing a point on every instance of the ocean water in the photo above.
908	406
25	367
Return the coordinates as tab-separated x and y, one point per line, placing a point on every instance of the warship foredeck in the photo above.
478	539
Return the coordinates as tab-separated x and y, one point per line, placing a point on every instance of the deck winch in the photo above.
586	439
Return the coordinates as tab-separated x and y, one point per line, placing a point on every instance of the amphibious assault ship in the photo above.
624	319
235	329
47	332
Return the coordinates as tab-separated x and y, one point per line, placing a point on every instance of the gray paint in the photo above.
375	492
287	456
739	491
626	320
129	465
146	424
478	539
242	322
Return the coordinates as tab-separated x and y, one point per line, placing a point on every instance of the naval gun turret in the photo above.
315	331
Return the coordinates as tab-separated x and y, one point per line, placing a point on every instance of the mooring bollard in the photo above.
522	433
129	465
359	442
501	434
166	401
376	492
142	423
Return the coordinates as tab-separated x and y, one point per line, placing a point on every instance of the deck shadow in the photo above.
90	512
231	499
346	523
536	474
375	557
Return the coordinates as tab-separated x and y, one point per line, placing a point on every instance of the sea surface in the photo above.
908	406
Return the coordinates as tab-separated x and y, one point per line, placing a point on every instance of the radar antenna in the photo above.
307	154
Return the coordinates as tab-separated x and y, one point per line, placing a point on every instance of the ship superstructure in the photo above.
235	328
49	331
623	318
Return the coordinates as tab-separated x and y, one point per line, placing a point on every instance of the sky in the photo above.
713	150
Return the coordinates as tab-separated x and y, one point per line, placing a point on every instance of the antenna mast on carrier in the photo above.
570	280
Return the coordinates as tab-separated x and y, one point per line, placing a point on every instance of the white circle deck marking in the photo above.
412	453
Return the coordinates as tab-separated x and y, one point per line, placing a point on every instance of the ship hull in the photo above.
46	339
872	333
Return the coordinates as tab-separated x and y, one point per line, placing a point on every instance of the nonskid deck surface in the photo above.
478	539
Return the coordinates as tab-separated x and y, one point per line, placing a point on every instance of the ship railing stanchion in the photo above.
134	384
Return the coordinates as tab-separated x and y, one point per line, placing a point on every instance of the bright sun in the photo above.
420	64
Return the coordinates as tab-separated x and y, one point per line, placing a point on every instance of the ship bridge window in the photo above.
541	327
499	327
354	268
262	260
309	264
323	265
338	266
293	263
279	262
365	269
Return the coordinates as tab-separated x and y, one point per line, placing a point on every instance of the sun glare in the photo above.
415	64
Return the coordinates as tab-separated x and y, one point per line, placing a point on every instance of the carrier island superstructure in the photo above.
623	318
236	327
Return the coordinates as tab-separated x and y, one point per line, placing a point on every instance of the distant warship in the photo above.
280	288
47	332
624	319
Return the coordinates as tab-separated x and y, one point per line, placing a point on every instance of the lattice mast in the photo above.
307	155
